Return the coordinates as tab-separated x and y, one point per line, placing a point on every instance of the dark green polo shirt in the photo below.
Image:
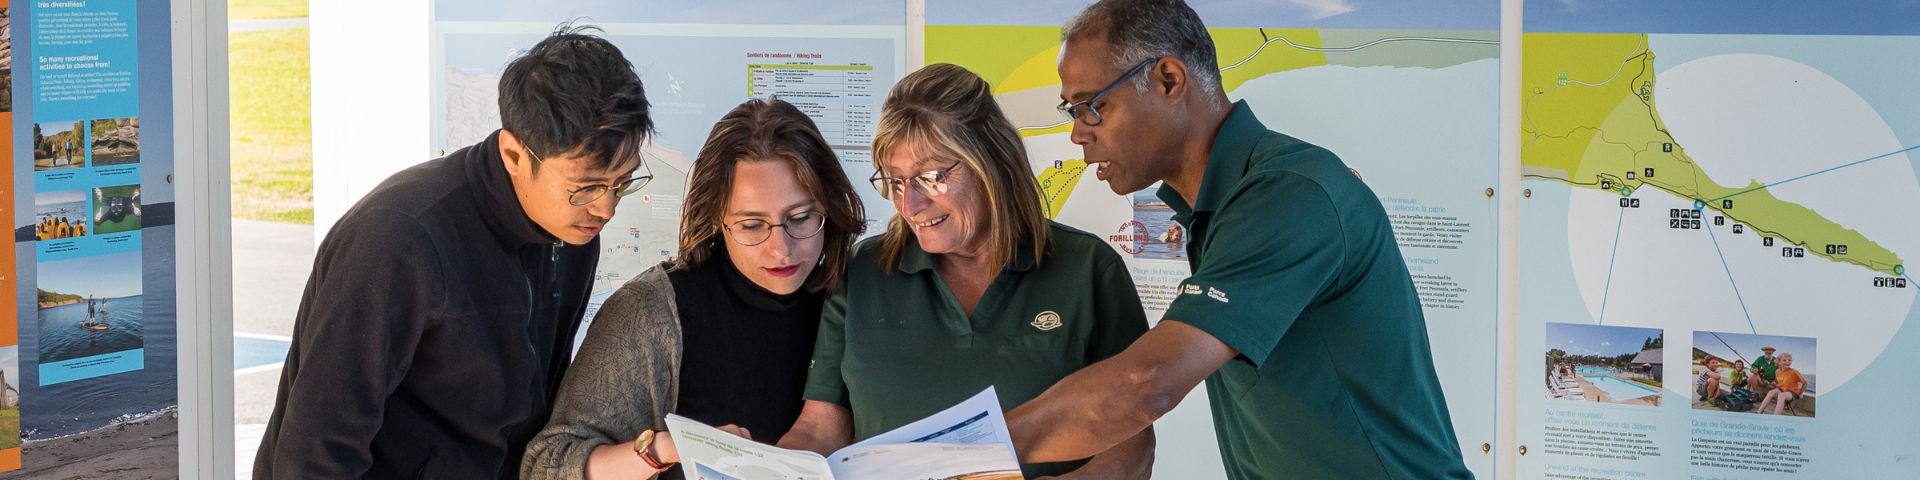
895	346
1295	267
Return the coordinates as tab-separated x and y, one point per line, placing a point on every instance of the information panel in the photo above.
1406	95
91	383
1730	187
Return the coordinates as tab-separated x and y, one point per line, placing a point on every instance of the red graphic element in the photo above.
1132	237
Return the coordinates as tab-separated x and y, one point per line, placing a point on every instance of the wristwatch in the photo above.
643	447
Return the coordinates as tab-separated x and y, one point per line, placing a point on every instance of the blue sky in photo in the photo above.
1586	339
1748	346
104	276
62	196
1810	17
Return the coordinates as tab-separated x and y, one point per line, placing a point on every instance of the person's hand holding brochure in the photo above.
968	441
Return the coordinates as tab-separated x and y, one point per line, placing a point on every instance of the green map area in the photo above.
1589	119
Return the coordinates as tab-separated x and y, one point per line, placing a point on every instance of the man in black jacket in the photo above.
437	323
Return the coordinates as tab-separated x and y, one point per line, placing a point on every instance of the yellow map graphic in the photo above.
1590	119
1020	64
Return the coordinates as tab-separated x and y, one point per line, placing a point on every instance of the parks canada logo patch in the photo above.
1046	321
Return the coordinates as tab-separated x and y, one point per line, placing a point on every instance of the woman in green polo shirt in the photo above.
970	286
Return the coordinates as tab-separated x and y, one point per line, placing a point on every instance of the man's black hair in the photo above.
576	94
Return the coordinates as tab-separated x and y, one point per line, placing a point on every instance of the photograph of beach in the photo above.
59	145
89	306
61	214
1604	364
116	209
1743	372
1166	239
115	141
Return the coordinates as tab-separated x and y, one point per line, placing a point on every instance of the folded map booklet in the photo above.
968	441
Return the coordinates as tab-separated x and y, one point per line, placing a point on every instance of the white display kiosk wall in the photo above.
1442	108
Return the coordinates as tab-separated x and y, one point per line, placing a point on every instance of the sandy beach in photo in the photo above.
145	447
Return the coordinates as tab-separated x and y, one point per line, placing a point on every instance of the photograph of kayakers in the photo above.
1741	372
1604	364
61	214
89	306
116	209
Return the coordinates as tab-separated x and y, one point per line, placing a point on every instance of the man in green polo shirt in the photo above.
1763	368
1300	314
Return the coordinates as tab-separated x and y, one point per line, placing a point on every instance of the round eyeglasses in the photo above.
754	231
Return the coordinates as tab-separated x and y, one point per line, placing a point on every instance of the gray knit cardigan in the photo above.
624	380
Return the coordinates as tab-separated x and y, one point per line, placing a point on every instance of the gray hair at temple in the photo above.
1138	30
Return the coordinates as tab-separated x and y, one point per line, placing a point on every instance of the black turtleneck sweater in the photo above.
745	350
433	332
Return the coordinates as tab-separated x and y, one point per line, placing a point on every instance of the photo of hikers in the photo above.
116	209
1166	239
90	306
115	141
1604	364
58	145
1765	374
61	214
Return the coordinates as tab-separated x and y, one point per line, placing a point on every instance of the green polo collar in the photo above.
1227	163
916	260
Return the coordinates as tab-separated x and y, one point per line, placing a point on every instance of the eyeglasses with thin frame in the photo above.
1080	110
590	193
932	183
799	226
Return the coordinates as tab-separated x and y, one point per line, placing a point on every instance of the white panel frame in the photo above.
203	229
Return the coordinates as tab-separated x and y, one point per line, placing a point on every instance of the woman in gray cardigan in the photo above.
723	333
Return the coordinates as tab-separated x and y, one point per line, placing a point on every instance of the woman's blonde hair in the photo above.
948	112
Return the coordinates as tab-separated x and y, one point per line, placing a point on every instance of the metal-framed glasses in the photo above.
1083	110
932	183
753	231
590	193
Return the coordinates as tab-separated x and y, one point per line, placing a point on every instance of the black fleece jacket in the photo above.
433	333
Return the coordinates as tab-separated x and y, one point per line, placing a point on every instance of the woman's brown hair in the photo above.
765	131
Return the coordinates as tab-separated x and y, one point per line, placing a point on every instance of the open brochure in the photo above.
968	441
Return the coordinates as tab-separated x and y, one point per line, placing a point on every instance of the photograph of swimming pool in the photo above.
1620	390
1604	363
